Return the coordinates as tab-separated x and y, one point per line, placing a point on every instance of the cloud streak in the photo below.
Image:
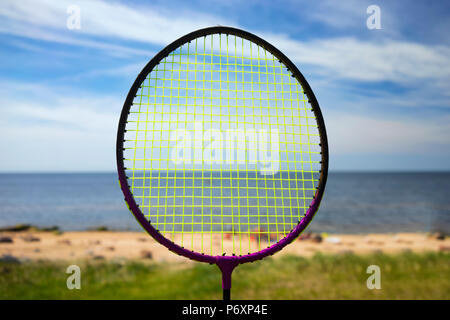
397	61
99	18
343	57
361	134
79	133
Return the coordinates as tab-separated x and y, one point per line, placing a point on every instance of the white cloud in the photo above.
61	36
344	57
357	134
60	106
126	71
339	14
72	130
101	18
51	128
349	58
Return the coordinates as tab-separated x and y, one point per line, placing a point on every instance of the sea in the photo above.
354	202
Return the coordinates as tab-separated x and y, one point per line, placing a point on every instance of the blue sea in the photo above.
353	202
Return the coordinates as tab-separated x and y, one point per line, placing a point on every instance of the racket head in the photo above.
323	146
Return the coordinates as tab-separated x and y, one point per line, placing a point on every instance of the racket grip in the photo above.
226	294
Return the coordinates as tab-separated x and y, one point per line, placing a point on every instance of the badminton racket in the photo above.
222	152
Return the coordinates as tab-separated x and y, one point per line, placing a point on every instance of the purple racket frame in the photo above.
226	264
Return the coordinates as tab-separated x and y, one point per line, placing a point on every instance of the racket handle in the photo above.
226	294
226	264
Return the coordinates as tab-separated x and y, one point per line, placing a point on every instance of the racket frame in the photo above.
225	263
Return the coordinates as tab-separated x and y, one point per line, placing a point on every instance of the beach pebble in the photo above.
347	251
350	244
376	243
142	239
30	238
65	241
9	259
334	240
98	257
101	228
110	248
436	236
317	238
145	254
50	229
6	240
17	228
439	236
403	241
305	236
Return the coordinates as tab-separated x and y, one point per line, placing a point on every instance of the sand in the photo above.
108	245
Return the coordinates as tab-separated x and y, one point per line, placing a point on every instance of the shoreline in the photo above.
20	227
30	245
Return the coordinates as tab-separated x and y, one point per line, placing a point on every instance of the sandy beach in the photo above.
111	245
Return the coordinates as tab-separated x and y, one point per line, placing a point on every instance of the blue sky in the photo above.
385	94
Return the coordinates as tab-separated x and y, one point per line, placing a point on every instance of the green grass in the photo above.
404	276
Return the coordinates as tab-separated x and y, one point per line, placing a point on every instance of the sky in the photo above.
384	93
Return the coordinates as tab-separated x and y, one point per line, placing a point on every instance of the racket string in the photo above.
229	198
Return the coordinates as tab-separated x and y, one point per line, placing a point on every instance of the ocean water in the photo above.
223	200
353	202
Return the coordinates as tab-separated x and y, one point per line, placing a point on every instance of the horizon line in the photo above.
330	171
